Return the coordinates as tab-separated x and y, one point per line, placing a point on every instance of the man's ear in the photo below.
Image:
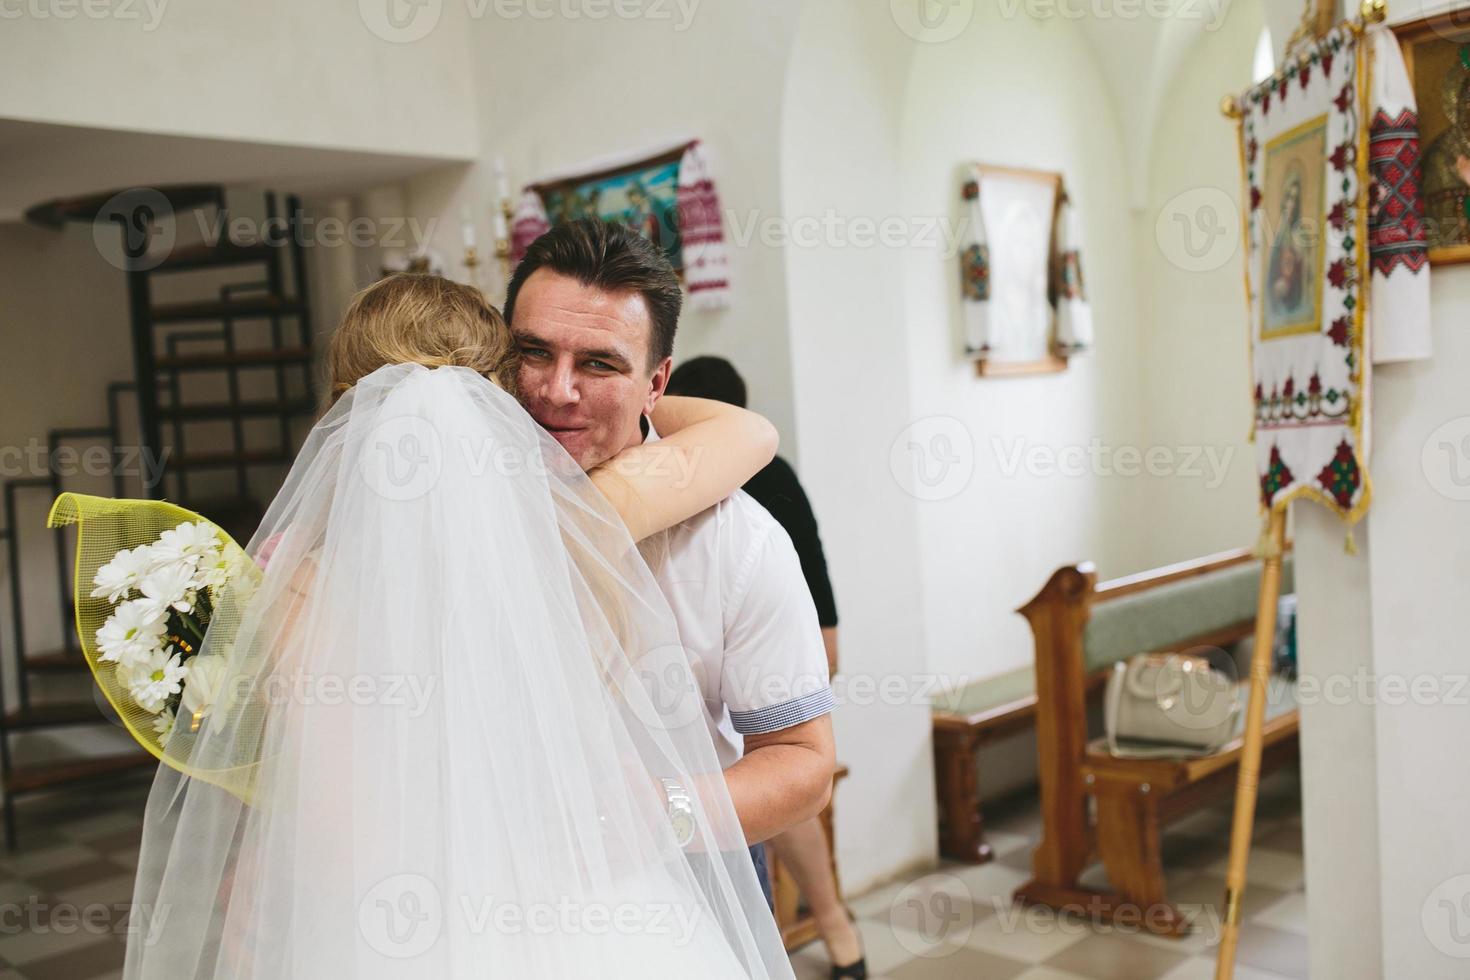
658	384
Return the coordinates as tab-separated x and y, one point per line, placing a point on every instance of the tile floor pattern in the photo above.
957	921
64	893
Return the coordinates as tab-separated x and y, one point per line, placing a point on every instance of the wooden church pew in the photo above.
1081	629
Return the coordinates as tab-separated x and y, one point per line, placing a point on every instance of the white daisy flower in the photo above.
204	677
215	571
163	725
244	575
169	586
153	681
190	542
132	633
120	576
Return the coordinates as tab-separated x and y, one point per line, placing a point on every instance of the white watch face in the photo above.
683	823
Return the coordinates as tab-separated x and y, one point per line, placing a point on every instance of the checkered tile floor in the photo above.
65	890
64	894
957	921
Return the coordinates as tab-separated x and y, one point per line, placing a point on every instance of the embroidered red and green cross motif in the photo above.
1277	475
1396	232
1341	478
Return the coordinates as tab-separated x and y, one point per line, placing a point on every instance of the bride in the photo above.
451	712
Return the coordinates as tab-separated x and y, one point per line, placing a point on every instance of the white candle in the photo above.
502	184
467	228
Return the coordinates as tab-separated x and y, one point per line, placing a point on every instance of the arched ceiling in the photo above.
1141	55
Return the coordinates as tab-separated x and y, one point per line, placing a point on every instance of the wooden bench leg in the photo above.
1129	843
956	779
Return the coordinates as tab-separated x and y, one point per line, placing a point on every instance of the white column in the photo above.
1386	765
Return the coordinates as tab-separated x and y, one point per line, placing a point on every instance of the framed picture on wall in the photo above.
1019	206
643	195
668	197
1437	55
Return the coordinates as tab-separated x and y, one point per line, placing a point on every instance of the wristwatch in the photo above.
681	811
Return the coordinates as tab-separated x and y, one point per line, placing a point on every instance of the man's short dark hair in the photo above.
610	257
708	377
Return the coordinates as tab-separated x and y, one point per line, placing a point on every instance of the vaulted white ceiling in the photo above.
1141	55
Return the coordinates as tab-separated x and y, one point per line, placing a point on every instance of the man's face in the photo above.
584	372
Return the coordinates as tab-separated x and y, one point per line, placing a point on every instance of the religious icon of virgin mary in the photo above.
1286	280
1447	165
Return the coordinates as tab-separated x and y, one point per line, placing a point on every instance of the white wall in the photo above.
273	71
1420	565
849	349
1194	352
1397	804
1024	93
876	126
557	94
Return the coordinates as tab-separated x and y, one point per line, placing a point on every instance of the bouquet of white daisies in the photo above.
163	596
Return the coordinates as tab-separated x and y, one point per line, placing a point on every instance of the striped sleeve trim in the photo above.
775	717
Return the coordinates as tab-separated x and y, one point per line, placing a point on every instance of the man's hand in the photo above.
784	777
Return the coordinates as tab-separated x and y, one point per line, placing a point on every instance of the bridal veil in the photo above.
449	711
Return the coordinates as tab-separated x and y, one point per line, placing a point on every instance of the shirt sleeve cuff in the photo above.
775	717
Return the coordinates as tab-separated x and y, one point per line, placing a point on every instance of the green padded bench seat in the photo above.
1173	613
1147	621
986	695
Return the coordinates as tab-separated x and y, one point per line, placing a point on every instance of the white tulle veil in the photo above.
444	717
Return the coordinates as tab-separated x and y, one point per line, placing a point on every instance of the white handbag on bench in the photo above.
1161	705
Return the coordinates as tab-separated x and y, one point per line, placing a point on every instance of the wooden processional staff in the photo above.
1316	21
1248	777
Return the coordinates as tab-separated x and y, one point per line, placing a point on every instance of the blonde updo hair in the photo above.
408	318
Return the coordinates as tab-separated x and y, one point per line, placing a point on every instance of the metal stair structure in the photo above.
220	386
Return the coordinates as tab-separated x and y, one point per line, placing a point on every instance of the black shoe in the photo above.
857	970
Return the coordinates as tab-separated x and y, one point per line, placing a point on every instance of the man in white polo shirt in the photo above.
733	579
594	308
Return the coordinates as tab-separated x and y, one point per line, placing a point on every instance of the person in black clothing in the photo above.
775	488
803	848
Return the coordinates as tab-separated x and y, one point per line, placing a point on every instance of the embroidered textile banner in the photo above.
1331	168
